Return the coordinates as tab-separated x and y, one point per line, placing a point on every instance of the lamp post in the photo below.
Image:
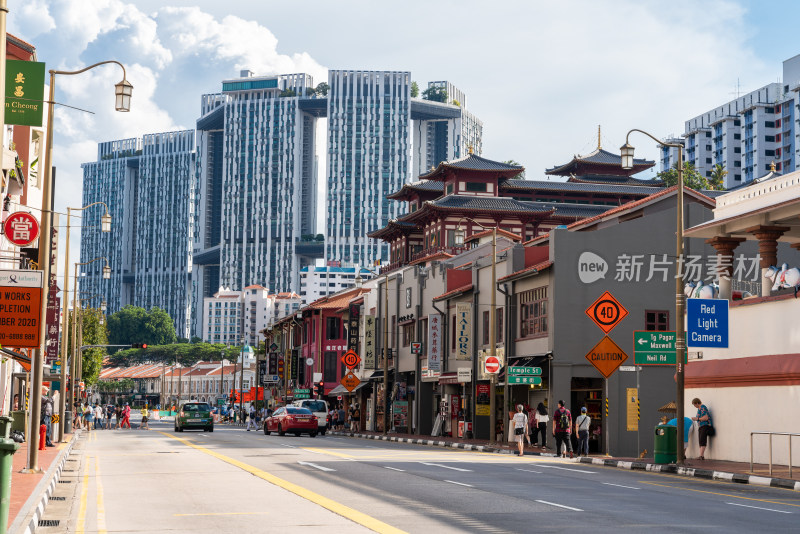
626	152
385	399
122	92
460	236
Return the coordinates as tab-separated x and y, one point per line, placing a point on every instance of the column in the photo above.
768	250
725	247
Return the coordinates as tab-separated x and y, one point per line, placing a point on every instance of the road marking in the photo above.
568	469
620	486
222	513
460	483
759	508
395	469
321	468
720	494
101	510
80	528
330	453
560	506
448	467
335	507
287	445
529	471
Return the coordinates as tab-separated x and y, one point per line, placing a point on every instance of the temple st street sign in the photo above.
523	371
532	380
654	347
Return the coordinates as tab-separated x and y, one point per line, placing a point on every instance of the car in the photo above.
291	419
194	415
319	408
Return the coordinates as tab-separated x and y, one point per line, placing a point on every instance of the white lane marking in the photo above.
529	471
560	506
759	508
287	445
460	483
619	485
394	469
448	467
321	468
568	469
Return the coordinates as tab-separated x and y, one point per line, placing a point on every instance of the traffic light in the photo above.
138	345
320	388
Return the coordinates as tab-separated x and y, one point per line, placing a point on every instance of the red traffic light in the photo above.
138	345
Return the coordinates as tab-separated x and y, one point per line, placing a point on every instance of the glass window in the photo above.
656	320
533	312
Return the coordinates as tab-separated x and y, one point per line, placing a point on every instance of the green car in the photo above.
194	415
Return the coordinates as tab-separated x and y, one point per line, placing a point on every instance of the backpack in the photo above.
563	421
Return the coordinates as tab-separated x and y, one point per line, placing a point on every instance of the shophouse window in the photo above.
453	333
499	319
486	328
332	328
533	312
408	334
329	371
656	320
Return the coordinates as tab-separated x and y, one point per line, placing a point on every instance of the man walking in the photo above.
582	423
47	415
98	416
562	429
251	418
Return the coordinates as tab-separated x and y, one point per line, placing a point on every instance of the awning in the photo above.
448	378
23	360
341	390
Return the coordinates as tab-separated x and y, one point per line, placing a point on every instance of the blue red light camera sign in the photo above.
707	323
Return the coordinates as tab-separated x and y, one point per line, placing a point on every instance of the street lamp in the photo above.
680	305
385	399
460	236
122	91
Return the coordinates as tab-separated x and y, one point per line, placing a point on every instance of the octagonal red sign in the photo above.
21	228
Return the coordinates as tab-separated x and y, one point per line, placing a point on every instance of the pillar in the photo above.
725	247
767	249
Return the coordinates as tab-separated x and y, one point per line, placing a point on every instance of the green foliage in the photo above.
288	92
320	237
456	103
135	325
93	333
436	94
691	177
322	89
512	162
310	91
120	385
414	90
186	354
717	178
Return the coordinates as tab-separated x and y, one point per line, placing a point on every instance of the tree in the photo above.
310	91
186	354
414	90
436	94
288	92
133	324
93	333
717	178
691	178
512	162
322	89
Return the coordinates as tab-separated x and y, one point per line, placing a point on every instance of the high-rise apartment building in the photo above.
147	185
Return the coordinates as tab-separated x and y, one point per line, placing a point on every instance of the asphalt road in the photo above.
234	481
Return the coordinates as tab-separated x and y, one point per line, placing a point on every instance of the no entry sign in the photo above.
492	365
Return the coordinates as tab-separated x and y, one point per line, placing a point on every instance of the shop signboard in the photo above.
463	328
24	92
369	342
354	323
400	415
435	342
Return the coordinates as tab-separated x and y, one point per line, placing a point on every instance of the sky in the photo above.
540	75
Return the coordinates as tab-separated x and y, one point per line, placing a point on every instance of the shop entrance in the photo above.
588	392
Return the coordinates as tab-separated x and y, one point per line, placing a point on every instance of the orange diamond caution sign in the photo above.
606	356
351	359
350	381
606	312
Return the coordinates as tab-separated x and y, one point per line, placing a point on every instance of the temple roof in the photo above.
599	158
640	187
611	179
471	162
431	186
489	204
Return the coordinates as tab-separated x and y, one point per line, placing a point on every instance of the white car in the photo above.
318	408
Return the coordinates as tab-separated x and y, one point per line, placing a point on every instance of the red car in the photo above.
292	419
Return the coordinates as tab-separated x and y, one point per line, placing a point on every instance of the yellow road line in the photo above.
720	494
81	526
223	513
335	507
331	453
101	510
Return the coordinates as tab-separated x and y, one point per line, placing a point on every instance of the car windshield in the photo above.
196	408
301	411
315	406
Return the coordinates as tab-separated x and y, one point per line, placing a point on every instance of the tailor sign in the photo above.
707	323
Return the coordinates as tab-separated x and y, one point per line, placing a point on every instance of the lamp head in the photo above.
106	273
460	235
123	91
105	223
103	306
626	151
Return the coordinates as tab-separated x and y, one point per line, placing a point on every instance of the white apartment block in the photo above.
238	317
317	282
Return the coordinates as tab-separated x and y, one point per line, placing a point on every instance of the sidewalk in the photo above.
709	468
29	491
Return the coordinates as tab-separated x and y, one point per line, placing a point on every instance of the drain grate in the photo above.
55	498
65	482
49	522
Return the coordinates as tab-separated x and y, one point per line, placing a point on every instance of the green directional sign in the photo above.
524	371
304	393
652	347
533	380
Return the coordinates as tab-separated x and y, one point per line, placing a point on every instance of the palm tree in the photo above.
717	178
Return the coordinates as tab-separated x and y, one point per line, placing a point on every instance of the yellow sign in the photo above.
632	406
350	381
54	418
482	409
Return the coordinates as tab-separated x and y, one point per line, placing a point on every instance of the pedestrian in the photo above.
688	423
705	427
98	416
118	416
357	418
251	418
332	418
47	415
16	402
126	417
88	415
540	425
562	429
520	427
145	415
340	417
109	415
582	423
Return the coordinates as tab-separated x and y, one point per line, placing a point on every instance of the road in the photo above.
235	481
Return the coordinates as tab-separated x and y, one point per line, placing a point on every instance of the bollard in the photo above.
7	449
42	437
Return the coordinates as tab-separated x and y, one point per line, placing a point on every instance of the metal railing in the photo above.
770	434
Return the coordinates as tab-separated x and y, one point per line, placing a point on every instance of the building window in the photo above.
499	331
332	326
486	328
473	187
329	370
408	334
533	312
656	320
453	333
449	189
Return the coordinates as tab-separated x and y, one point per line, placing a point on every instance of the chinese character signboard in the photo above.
353	324
369	342
53	313
435	342
21	228
24	92
463	328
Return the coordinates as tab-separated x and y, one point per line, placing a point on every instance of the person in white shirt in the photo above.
251	419
98	416
582	423
541	425
520	421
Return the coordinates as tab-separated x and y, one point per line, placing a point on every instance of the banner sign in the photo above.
354	323
369	342
463	328
435	342
24	92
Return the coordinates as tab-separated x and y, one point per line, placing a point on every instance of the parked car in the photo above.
318	408
194	415
291	419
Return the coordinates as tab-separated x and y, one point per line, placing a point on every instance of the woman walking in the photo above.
541	425
520	427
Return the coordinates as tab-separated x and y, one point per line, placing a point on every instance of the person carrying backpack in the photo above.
562	429
582	423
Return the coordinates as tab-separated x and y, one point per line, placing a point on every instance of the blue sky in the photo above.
541	75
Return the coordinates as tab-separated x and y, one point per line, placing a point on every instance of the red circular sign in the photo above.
492	364
21	228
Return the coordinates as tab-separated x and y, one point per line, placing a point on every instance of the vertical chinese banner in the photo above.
352	332
369	342
435	342
463	328
53	302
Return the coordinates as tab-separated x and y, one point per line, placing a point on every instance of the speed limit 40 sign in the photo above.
606	312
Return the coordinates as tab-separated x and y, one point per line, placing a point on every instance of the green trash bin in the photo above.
7	449
665	448
19	421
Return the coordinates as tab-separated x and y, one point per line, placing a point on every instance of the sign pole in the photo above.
638	423
607	447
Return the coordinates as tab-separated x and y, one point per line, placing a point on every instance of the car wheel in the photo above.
180	428
266	432
297	434
322	431
211	429
313	434
280	431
